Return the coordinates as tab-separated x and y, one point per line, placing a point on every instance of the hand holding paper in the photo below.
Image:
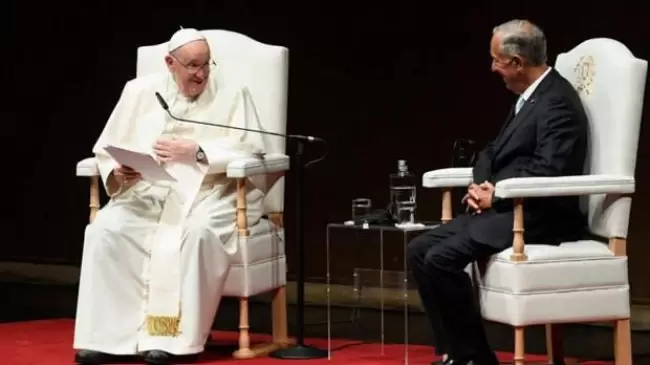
143	163
126	174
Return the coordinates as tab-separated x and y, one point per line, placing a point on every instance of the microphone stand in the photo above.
300	351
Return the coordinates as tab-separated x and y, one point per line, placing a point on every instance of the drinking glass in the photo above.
405	210
360	207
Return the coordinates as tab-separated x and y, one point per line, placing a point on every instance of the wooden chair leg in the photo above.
280	333
622	342
94	197
279	305
279	318
554	344
244	351
446	206
520	346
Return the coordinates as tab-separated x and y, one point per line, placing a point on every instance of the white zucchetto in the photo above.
183	37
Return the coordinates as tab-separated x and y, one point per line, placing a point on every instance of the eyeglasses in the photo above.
193	68
501	63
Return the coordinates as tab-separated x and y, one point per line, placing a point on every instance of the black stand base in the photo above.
299	352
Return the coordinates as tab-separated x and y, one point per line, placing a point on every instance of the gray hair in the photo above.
524	39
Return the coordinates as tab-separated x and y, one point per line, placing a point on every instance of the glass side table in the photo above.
372	260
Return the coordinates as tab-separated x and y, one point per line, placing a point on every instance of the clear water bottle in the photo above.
402	194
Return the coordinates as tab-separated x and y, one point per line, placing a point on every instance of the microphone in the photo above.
165	106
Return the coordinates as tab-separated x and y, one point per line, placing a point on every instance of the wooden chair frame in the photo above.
554	332
280	337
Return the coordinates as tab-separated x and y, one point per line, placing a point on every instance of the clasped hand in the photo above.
479	197
175	150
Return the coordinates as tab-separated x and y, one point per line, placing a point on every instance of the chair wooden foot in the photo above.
555	344
622	342
258	350
520	346
244	354
280	333
244	351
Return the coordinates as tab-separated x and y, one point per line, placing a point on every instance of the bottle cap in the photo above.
401	165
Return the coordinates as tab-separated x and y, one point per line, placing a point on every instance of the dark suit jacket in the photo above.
548	137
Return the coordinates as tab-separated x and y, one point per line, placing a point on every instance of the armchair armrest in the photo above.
87	167
448	178
274	162
528	187
236	169
240	168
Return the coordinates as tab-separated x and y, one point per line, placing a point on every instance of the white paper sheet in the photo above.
143	163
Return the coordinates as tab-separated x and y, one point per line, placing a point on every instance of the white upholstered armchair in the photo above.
587	280
259	265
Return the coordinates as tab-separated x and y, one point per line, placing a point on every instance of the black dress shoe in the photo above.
454	362
157	357
89	357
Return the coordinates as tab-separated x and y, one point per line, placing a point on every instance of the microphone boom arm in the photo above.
165	106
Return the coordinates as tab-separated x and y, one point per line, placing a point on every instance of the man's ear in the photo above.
518	62
169	61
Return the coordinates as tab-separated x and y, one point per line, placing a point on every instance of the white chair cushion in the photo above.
264	242
554	284
570	266
259	264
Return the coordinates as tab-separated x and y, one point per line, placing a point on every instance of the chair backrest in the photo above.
245	62
611	83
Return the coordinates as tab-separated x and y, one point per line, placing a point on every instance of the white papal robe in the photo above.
156	257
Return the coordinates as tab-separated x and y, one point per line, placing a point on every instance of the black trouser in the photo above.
437	260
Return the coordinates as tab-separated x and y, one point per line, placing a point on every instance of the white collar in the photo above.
178	100
529	91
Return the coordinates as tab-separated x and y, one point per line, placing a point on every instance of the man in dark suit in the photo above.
544	135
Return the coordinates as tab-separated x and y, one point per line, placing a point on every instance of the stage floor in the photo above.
23	340
50	342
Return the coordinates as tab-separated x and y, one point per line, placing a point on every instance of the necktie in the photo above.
520	103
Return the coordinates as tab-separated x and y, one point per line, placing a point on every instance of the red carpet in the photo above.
50	342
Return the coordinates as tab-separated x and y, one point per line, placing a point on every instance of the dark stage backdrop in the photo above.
380	82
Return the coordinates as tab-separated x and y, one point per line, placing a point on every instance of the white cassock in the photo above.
156	257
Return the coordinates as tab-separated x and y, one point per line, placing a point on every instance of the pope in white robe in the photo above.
156	257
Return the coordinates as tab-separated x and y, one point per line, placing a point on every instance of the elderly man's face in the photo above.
509	68
190	65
